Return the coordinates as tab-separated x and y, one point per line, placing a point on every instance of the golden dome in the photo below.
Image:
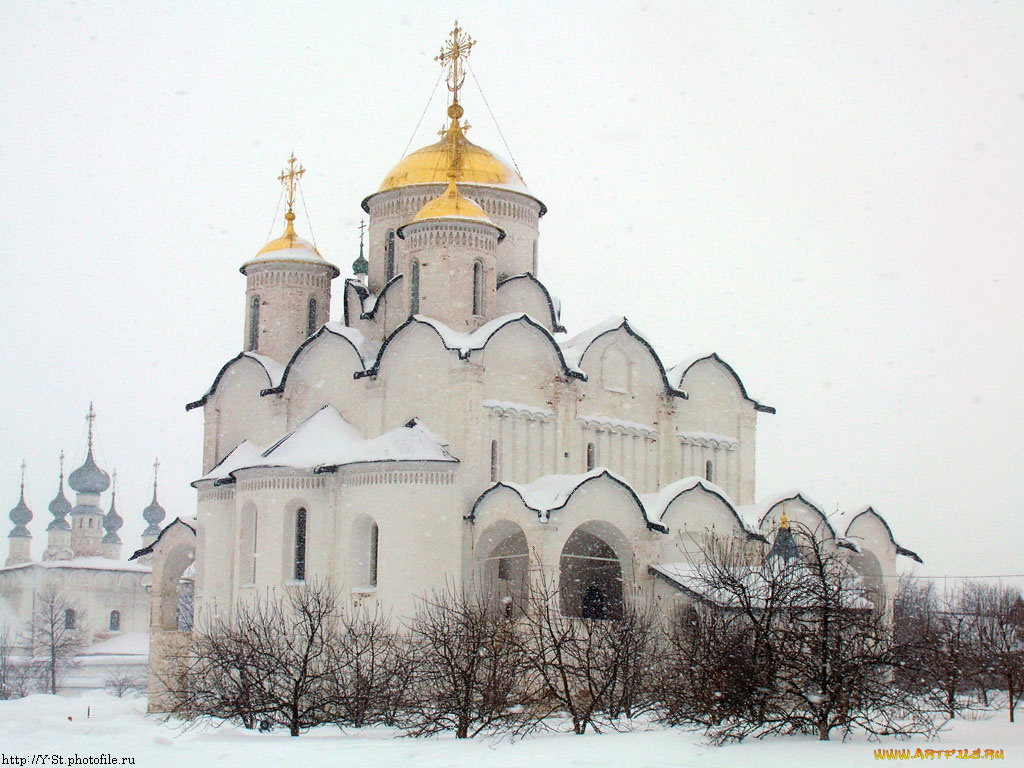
289	247
452	205
431	165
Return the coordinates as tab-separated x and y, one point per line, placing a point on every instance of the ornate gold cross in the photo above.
290	177
453	52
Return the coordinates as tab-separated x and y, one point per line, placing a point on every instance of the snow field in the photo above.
101	724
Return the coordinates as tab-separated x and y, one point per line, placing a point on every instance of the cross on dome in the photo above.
90	417
455	50
288	178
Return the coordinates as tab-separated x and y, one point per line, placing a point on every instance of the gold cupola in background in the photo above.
289	246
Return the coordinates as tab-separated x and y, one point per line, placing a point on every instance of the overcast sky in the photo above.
829	196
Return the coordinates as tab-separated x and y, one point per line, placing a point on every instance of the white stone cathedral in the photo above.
446	431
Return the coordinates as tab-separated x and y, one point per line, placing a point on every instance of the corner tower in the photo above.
288	286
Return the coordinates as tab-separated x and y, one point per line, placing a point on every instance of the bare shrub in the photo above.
468	666
597	671
371	672
123	681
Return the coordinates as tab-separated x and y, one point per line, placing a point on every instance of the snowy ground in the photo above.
96	724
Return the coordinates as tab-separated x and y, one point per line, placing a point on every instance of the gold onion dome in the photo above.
452	205
431	165
289	247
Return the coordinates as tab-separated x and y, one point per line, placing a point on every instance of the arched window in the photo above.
373	555
414	289
90	522
535	258
591	456
254	322
248	554
300	544
69	618
390	254
311	318
478	288
363	552
709	472
494	461
115	621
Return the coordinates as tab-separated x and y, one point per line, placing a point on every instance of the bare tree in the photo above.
938	656
595	670
813	653
57	635
998	613
468	664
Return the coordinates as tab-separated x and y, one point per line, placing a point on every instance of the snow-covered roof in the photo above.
841	522
84	563
466	343
242	455
712	439
752	582
677	373
576	348
551	493
554	305
656	504
326	439
623	424
121	644
273	369
504	405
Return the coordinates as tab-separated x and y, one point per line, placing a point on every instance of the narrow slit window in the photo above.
69	618
709	472
115	621
373	555
311	318
414	289
478	288
254	322
300	544
591	456
494	461
390	251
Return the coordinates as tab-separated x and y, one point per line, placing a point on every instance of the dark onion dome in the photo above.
154	515
60	507
20	516
112	522
784	545
89	478
360	266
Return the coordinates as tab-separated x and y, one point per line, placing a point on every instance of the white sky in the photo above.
829	196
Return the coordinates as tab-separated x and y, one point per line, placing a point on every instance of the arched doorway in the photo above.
590	582
502	567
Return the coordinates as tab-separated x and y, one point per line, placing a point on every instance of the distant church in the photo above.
446	430
106	595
